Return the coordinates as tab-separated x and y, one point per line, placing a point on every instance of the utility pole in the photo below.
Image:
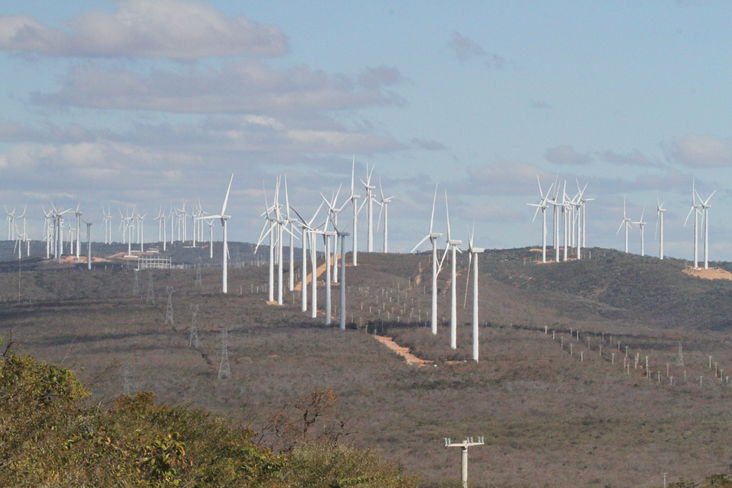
169	319
464	445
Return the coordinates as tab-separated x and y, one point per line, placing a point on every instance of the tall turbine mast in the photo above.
453	245
432	236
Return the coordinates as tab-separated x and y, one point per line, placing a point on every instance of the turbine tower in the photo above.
474	252
432	236
659	225
704	206
694	208
225	245
369	202
384	208
642	226
353	198
626	222
542	205
453	245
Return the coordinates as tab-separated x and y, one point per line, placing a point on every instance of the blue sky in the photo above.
149	102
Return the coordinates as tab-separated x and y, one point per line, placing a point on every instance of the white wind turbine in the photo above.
225	247
642	226
542	205
453	245
333	211
704	206
384	208
353	198
694	208
289	221
78	232
626	222
474	252
432	236
556	204
578	203
369	202
306	227
268	230
11	223
659	225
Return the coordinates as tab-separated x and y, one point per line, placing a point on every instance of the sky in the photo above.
149	103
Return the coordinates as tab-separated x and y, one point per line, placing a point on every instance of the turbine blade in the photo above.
467	279
432	217
419	243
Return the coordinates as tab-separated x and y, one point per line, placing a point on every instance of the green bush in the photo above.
50	437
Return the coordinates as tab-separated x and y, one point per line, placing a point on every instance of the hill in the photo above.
545	413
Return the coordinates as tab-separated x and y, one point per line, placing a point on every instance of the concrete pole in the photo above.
88	247
706	238
464	456
304	270
543	235
453	305
280	256
343	284
225	263
292	261
434	284
270	289
476	328
354	244
327	279
314	283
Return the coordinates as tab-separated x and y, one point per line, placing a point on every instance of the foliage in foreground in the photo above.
50	437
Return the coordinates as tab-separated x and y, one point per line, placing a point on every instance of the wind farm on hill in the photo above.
572	364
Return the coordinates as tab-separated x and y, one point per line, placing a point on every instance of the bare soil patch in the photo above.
709	274
401	351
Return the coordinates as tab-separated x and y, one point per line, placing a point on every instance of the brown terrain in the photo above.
558	393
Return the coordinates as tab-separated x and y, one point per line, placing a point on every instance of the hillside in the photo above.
545	414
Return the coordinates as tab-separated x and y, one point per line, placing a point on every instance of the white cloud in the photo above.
177	29
699	151
466	49
237	87
566	155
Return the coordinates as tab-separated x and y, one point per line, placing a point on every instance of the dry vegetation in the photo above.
548	419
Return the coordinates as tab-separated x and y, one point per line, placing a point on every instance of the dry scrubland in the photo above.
548	419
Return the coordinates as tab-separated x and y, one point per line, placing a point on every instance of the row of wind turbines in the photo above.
699	208
570	222
283	220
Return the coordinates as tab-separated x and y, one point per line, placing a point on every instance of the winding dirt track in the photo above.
402	351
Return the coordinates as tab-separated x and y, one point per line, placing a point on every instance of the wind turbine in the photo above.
453	245
555	219
659	225
626	222
384	207
306	227
78	232
704	205
642	226
369	202
474	252
353	198
225	251
542	205
694	208
333	211
88	246
432	236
